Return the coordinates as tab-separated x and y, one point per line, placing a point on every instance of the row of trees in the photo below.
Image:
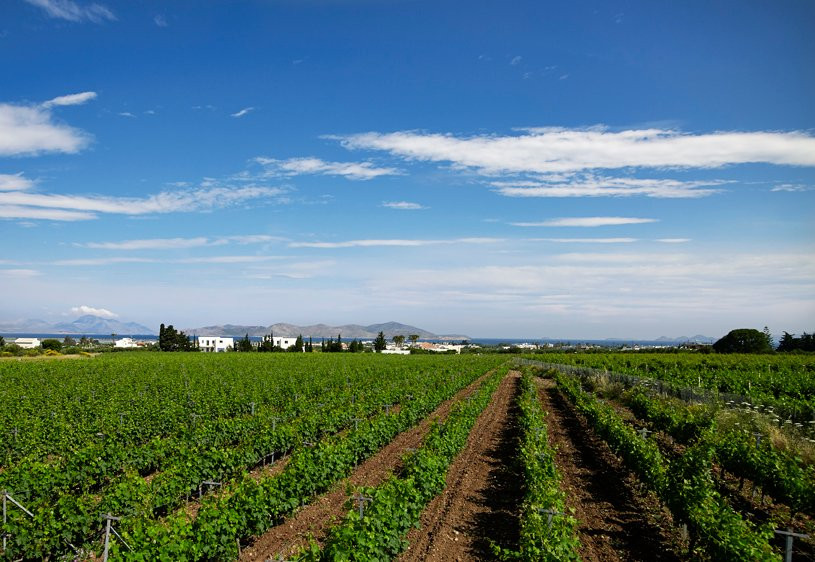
267	345
790	343
747	340
170	339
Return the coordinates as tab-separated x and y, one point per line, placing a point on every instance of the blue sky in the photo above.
525	169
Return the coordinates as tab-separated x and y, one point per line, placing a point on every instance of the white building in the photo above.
285	343
125	343
27	343
215	344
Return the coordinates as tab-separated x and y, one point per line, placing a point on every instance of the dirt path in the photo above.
317	517
616	522
481	499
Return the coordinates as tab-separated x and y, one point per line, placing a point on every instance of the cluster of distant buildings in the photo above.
221	344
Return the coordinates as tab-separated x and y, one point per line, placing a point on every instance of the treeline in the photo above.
267	345
790	343
170	339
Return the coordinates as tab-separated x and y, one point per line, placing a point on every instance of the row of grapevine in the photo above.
779	473
249	507
781	382
685	485
397	504
548	531
67	504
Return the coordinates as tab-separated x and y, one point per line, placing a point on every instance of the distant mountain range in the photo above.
348	331
87	324
683	339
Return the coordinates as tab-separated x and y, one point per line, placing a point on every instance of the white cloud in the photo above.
30	130
14	203
19	273
373	243
152	244
403	205
18	212
71	11
589	185
586	221
673	240
792	187
586	240
350	170
160	20
181	243
84	262
242	112
229	259
70	99
126	114
516	60
101	312
14	182
547	150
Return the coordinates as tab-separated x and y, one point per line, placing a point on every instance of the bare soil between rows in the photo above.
479	505
616	520
315	519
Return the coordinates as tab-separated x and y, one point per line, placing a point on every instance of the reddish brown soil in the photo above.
315	519
480	503
616	520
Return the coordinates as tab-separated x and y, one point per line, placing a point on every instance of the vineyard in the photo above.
161	456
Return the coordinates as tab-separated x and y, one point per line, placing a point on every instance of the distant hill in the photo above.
87	324
348	331
684	339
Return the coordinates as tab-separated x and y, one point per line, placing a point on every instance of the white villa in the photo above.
215	344
125	343
285	343
28	343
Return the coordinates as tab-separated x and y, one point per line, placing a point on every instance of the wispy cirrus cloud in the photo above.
565	162
586	240
349	170
589	185
70	99
393	242
242	112
589	222
15	182
28	130
18	212
181	243
19	273
72	11
553	150
792	187
25	204
403	205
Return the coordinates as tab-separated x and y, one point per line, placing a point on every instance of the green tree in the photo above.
398	340
68	341
244	344
298	344
169	339
379	343
413	339
55	345
743	340
2	342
